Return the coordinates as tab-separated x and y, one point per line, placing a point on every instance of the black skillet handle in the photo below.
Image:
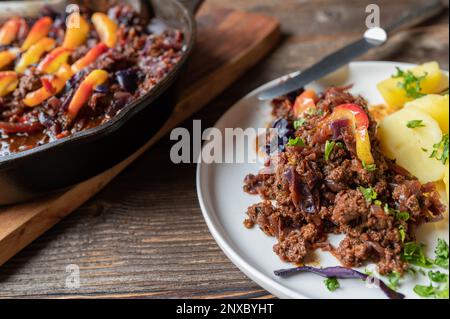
192	5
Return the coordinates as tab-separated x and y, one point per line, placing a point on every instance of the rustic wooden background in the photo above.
144	235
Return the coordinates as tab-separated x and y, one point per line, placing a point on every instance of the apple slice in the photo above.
84	91
360	124
8	82
39	30
49	87
76	35
305	101
53	60
7	57
90	57
106	28
8	32
34	53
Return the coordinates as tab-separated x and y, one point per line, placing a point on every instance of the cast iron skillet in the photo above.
62	163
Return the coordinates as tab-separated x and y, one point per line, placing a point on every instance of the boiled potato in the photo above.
446	180
434	105
411	147
434	82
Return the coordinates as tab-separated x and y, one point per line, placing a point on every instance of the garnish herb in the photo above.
432	291
424	149
296	142
394	280
404	216
313	111
369	167
413	253
410	83
369	194
415	124
329	146
441	253
377	202
299	123
437	276
332	284
402	232
440	150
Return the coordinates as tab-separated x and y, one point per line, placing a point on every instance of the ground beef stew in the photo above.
57	79
330	177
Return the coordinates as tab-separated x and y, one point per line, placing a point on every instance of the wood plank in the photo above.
229	43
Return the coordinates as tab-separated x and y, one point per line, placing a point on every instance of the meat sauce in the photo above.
101	73
316	190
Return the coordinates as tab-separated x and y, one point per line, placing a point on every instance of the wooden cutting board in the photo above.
229	43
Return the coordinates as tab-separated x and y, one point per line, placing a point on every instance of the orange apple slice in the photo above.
8	32
84	91
7	57
106	28
50	87
53	60
76	35
39	30
8	82
90	57
34	53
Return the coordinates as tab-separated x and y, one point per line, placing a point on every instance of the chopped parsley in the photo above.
394	280
441	253
437	276
413	253
332	284
329	146
299	123
432	291
377	202
410	83
415	124
368	272
402	233
296	142
369	194
313	111
404	216
369	167
440	150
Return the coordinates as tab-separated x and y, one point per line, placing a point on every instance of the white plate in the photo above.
223	203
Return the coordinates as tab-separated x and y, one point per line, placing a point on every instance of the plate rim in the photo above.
257	276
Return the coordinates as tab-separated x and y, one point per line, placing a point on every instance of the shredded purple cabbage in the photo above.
341	273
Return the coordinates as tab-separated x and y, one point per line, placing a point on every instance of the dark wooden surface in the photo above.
144	236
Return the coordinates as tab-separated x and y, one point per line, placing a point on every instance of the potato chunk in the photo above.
411	147
435	81
434	105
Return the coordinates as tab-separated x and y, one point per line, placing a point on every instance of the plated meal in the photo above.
355	187
338	171
57	80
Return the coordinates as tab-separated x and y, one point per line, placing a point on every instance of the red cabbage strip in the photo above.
341	273
12	128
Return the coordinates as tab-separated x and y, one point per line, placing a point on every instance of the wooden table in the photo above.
144	235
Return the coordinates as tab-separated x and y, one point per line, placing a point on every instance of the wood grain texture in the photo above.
143	236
